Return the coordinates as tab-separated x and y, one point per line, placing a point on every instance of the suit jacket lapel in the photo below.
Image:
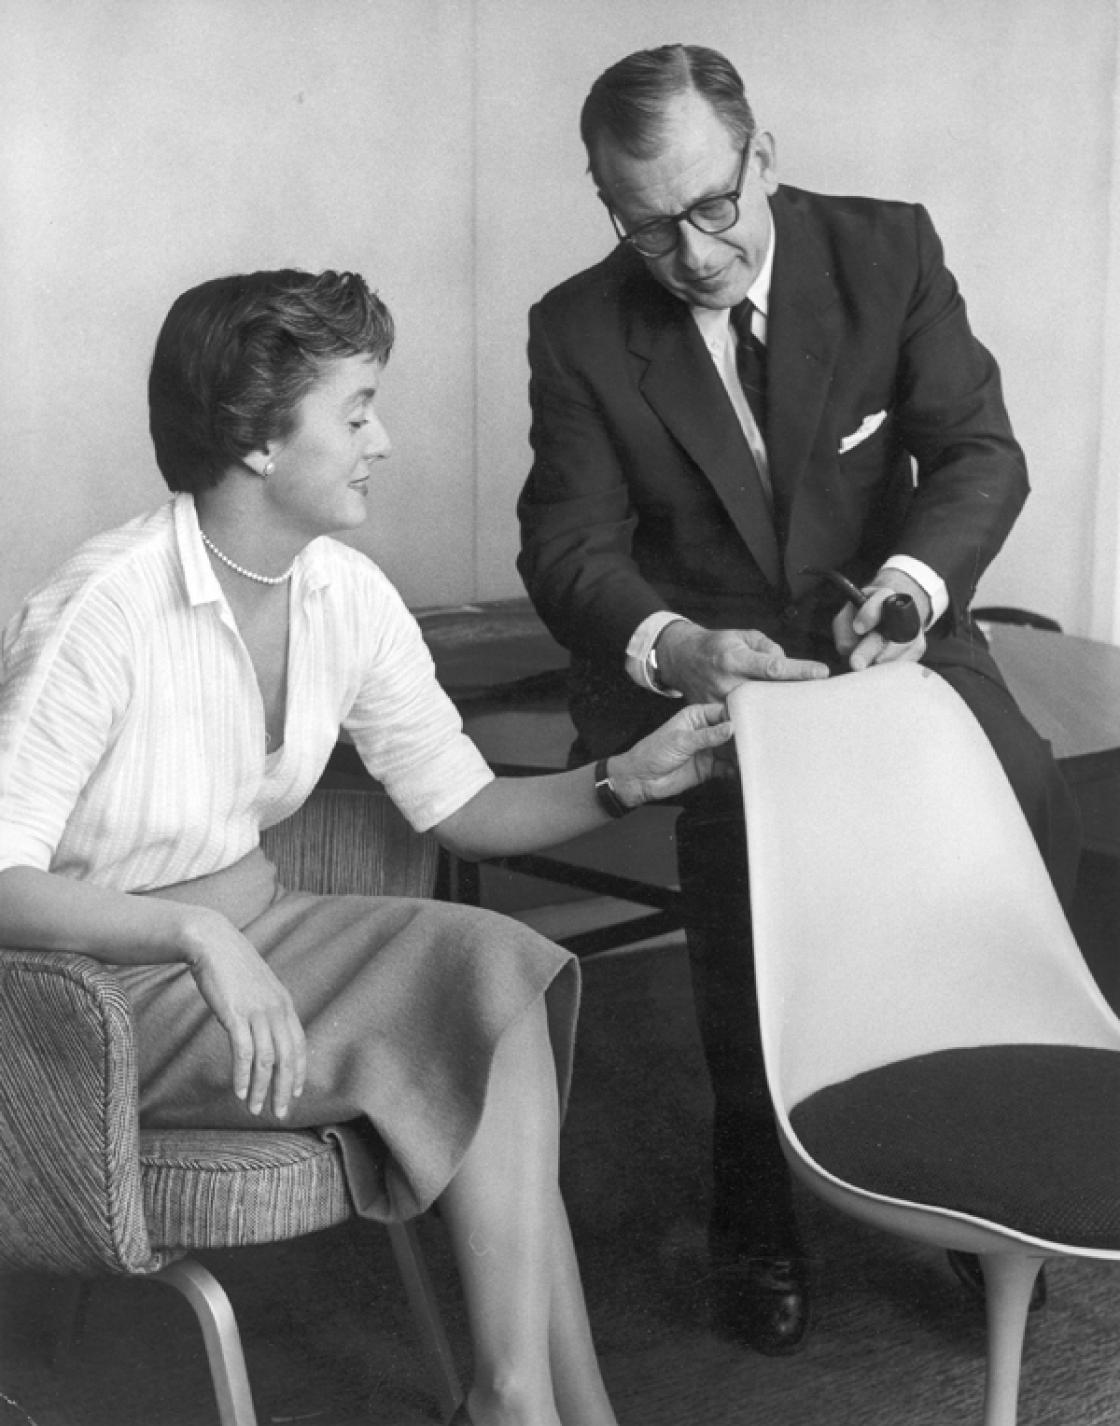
682	385
804	328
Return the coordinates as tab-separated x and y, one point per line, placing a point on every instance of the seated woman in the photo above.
177	686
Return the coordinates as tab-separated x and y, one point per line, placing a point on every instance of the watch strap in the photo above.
608	798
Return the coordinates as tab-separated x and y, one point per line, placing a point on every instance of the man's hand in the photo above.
855	631
706	664
254	1009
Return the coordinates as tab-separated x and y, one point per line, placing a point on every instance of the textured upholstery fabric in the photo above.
206	1189
352	840
1027	1136
69	1176
75	1189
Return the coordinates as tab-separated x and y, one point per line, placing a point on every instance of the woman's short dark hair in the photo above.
626	104
235	357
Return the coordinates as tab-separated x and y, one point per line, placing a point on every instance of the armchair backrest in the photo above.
352	839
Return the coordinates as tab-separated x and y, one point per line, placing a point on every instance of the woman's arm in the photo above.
523	814
40	910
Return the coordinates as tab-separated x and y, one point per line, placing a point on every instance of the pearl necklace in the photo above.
240	569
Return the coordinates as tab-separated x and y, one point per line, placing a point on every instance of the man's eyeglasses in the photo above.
712	215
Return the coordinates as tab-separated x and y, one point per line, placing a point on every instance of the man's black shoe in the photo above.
968	1270
762	1302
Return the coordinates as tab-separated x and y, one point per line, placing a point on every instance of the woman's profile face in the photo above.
320	481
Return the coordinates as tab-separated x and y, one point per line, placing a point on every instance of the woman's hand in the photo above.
523	814
43	910
682	753
255	1010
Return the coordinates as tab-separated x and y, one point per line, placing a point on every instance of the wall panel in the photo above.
999	117
149	146
433	145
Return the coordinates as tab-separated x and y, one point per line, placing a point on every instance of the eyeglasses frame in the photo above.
733	196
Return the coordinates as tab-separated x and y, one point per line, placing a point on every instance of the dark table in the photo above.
1069	688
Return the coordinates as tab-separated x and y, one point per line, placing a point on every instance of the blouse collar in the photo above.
309	570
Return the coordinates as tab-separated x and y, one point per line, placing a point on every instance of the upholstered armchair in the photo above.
85	1192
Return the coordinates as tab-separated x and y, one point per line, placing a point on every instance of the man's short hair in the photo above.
236	356
626	105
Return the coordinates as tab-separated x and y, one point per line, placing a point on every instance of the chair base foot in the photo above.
212	1307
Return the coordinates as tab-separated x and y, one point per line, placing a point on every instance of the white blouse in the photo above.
132	742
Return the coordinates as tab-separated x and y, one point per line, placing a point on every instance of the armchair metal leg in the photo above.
425	1311
219	1330
1008	1280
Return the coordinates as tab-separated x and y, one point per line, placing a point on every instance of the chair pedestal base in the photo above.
1008	1281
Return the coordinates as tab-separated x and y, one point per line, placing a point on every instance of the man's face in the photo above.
699	159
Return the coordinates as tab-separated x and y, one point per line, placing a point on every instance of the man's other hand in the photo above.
706	664
856	633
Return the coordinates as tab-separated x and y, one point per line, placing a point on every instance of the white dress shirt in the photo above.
714	325
132	741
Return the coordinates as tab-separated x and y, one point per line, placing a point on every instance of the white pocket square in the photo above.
867	427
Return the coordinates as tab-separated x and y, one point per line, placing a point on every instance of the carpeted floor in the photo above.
329	1341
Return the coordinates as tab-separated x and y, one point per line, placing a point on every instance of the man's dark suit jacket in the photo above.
643	496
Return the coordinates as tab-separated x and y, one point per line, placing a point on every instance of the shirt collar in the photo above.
309	572
202	582
713	321
760	288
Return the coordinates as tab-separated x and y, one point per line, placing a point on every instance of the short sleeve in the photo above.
405	727
64	686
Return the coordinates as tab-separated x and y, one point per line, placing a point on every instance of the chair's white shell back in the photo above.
899	902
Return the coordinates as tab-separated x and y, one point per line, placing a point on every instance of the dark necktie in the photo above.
750	359
750	363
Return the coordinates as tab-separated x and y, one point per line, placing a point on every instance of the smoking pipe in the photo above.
899	620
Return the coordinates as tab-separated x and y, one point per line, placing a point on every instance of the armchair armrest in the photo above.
70	1178
70	1197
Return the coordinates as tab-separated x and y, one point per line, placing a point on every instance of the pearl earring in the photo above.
270	467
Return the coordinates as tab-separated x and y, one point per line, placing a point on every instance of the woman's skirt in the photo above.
403	1003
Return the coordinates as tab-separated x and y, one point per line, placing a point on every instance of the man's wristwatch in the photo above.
653	671
653	666
608	798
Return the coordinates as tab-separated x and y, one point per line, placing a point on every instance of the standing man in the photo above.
758	383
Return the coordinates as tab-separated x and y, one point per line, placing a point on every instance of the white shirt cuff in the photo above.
929	580
641	644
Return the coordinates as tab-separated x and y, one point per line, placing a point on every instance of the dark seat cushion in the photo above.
1027	1136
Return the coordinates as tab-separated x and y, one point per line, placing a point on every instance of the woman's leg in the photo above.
581	1396
513	1249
